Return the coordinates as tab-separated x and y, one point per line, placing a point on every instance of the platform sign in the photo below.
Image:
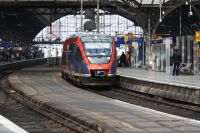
197	36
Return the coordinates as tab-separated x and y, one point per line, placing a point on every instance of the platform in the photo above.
184	88
110	114
6	126
189	81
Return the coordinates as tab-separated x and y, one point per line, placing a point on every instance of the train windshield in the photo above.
97	45
98	48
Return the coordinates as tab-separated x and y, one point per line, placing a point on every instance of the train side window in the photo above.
67	54
64	57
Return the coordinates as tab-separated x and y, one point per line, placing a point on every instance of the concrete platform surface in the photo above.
6	126
116	116
189	81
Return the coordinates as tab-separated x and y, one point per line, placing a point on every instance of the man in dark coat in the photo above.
123	59
176	58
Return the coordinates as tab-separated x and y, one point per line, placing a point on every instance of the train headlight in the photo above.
108	58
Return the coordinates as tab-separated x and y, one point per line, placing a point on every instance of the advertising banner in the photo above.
197	36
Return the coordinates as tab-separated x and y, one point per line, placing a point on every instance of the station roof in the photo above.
21	20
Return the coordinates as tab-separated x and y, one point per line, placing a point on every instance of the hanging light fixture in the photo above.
190	13
186	3
97	16
82	16
160	19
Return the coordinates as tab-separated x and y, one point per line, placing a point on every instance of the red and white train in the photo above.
89	59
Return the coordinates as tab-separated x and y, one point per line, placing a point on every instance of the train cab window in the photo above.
74	50
78	55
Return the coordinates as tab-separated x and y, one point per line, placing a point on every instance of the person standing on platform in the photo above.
176	58
128	59
123	59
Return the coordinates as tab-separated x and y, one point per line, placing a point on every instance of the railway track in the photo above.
149	101
34	118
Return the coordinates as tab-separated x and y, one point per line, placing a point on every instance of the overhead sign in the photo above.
171	40
139	40
197	36
5	44
157	41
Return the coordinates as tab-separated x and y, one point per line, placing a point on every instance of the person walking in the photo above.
176	58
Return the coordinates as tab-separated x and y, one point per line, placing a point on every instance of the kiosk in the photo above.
137	50
158	55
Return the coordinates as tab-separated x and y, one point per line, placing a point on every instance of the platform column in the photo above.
148	44
167	48
188	49
178	41
195	58
184	48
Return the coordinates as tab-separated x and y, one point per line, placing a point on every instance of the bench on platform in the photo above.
187	69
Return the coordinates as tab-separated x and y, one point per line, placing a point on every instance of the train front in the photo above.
100	58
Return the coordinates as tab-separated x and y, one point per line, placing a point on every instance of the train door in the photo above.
64	57
78	60
76	63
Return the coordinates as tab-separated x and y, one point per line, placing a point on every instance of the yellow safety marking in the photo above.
12	91
132	127
127	125
55	80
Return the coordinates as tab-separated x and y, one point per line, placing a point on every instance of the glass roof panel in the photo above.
158	1
146	1
151	1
